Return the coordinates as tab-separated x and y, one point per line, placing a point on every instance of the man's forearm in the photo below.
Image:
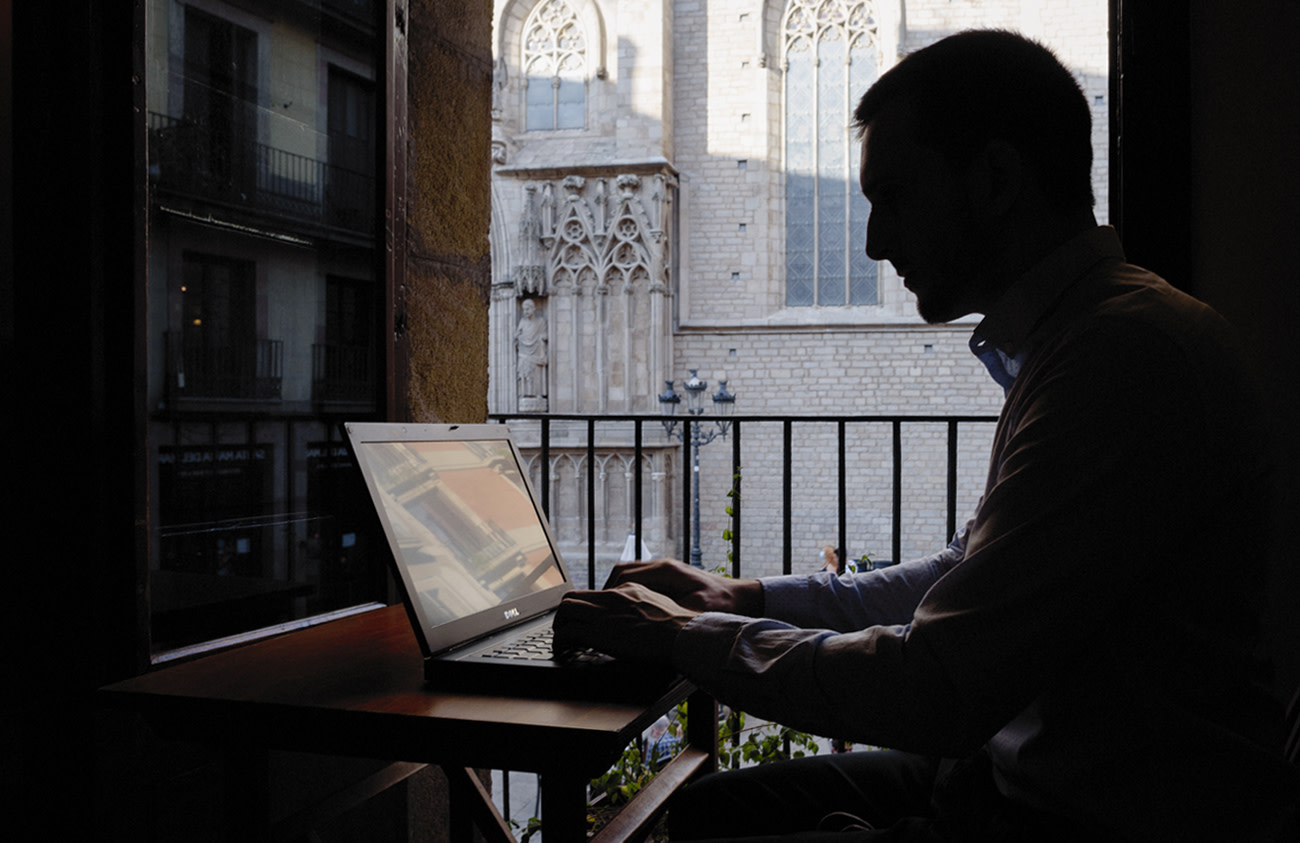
747	596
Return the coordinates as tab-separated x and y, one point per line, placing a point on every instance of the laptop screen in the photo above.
462	523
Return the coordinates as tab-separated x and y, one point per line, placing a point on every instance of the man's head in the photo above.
969	145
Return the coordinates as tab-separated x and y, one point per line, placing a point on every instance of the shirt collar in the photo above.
1008	324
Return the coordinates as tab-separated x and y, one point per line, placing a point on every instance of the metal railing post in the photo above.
689	526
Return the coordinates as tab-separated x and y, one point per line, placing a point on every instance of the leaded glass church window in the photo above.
555	61
830	49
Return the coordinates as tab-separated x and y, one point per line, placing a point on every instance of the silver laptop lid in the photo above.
472	548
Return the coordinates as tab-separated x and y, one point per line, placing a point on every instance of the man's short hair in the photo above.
983	85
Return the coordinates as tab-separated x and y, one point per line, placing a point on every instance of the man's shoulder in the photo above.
1123	305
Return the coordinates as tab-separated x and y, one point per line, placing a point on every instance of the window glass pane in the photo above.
825	214
263	311
863	289
540	104
800	183
832	168
571	111
555	49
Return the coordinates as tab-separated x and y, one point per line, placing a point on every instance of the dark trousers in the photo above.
902	797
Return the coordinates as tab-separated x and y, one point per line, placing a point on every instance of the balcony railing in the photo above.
249	371
343	374
189	159
357	11
741	430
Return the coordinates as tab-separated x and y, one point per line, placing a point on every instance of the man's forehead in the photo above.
886	143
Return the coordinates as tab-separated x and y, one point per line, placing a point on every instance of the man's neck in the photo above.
1030	242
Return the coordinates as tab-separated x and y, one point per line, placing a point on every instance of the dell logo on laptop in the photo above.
511	614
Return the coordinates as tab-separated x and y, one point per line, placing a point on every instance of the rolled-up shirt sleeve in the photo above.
824	682
834	639
851	602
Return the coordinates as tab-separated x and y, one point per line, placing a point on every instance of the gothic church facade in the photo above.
675	189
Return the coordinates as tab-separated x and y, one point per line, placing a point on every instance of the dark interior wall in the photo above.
1245	232
73	596
1206	191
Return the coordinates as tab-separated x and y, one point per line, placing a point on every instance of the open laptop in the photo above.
479	568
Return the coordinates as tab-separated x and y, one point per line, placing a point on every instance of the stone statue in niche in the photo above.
530	346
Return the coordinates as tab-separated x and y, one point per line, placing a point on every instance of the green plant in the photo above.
727	534
740	745
632	771
534	826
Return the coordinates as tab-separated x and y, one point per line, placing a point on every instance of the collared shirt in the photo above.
1000	341
1093	626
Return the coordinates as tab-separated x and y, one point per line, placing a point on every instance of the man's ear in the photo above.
995	179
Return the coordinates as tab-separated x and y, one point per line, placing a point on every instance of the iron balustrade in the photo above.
190	159
343	374
251	370
736	436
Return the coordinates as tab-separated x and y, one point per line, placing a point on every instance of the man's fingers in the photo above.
630	621
573	620
586	618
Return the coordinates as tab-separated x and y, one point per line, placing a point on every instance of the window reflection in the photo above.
463	524
263	307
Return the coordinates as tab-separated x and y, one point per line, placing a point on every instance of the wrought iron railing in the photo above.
188	158
343	374
250	371
739	428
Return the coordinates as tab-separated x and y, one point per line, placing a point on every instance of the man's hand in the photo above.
692	588
630	621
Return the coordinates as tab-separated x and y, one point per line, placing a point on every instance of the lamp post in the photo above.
691	433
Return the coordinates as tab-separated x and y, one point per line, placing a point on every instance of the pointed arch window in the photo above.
830	51
555	68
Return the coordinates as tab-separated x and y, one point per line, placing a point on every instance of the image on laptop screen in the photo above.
465	526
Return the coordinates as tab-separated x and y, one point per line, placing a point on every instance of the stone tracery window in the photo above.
830	53
555	65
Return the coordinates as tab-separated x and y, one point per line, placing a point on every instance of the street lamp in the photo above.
690	432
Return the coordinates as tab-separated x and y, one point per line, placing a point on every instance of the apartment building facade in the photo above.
263	315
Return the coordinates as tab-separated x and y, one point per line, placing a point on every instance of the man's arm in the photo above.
843	603
869	598
1096	469
693	588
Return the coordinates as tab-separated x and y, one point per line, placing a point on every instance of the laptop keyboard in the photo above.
537	646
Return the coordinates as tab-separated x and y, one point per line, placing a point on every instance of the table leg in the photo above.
472	806
564	807
702	727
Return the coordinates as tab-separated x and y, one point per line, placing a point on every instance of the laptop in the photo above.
478	566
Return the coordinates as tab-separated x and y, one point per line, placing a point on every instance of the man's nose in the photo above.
877	240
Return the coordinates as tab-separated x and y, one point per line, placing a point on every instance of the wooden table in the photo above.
355	687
